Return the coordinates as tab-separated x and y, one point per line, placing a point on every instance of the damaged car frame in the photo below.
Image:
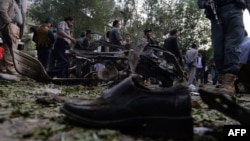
166	71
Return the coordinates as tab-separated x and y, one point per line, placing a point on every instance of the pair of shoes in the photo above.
226	105
135	109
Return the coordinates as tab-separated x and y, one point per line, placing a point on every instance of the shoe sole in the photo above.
165	127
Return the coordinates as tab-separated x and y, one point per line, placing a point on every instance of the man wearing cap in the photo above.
79	46
79	41
11	21
44	39
151	42
148	53
83	45
171	44
86	40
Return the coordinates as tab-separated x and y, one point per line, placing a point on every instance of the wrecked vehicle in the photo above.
122	64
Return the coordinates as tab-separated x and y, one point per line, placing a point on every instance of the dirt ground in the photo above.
29	111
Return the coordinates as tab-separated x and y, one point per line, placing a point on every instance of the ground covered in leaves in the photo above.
29	111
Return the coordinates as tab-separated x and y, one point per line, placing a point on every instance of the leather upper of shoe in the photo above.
129	99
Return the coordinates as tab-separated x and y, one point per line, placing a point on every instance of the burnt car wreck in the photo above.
120	64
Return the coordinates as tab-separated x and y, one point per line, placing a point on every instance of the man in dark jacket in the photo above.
149	53
200	71
44	39
171	44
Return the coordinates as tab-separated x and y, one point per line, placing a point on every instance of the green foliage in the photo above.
178	14
94	14
159	15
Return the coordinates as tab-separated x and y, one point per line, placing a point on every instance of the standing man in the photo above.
115	35
151	42
200	71
191	60
83	67
44	39
171	44
86	40
86	46
228	31
79	46
11	22
148	54
62	43
79	41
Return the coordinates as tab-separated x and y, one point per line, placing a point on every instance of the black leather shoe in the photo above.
136	109
226	105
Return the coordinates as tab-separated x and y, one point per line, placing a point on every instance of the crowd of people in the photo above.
50	48
199	67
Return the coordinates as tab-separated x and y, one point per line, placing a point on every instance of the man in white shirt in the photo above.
62	43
